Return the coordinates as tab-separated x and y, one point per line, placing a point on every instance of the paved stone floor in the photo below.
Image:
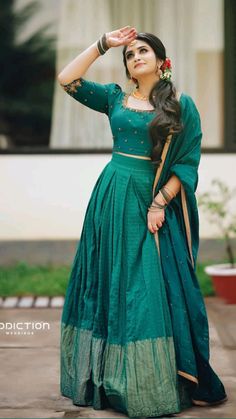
32	302
29	375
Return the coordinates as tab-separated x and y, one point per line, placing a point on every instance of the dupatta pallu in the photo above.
177	245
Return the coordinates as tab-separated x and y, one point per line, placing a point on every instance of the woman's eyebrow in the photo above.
130	50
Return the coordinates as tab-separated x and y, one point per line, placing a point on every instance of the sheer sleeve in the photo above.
94	95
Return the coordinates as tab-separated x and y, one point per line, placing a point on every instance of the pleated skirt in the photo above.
126	339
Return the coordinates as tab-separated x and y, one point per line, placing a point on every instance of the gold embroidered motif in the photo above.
72	86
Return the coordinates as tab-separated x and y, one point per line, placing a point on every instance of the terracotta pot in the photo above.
224	281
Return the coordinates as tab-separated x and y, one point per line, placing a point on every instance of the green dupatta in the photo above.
182	159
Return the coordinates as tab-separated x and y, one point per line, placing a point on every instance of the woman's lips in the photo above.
138	65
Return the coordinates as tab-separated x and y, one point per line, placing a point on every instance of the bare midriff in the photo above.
133	155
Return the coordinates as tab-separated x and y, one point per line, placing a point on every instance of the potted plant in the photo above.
216	203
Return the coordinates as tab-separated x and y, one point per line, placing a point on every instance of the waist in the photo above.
132	164
133	155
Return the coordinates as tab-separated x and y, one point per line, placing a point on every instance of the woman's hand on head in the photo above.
121	36
155	220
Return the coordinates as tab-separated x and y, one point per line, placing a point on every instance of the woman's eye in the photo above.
129	55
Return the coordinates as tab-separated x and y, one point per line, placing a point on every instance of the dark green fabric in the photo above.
132	321
183	161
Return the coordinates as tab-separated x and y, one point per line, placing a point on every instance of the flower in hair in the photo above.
166	70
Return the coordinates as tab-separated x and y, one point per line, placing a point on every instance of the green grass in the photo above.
23	279
205	281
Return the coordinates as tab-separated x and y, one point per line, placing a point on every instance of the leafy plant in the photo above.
216	203
27	77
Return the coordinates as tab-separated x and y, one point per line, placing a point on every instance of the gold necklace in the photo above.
138	95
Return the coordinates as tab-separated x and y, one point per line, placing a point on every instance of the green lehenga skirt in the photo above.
134	330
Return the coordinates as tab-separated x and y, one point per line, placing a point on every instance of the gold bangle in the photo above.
163	197
157	204
96	46
155	210
166	195
168	189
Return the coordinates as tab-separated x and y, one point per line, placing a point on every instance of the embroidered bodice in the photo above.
129	126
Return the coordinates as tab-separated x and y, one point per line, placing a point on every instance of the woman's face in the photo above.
139	52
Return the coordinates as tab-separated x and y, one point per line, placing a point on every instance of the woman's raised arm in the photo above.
76	68
79	65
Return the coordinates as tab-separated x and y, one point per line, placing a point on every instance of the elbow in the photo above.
60	78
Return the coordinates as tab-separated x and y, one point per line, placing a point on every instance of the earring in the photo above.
158	70
133	80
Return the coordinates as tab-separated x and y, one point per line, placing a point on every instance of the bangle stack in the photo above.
156	206
102	45
171	195
166	196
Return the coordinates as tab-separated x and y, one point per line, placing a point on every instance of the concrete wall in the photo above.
45	196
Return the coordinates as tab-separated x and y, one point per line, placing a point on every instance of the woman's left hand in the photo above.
155	220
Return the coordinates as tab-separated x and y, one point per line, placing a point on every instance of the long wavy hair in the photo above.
163	98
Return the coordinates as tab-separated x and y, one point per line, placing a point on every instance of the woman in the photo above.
134	330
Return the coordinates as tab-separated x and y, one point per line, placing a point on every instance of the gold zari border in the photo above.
186	221
188	376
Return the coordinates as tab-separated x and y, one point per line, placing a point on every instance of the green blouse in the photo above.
129	126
